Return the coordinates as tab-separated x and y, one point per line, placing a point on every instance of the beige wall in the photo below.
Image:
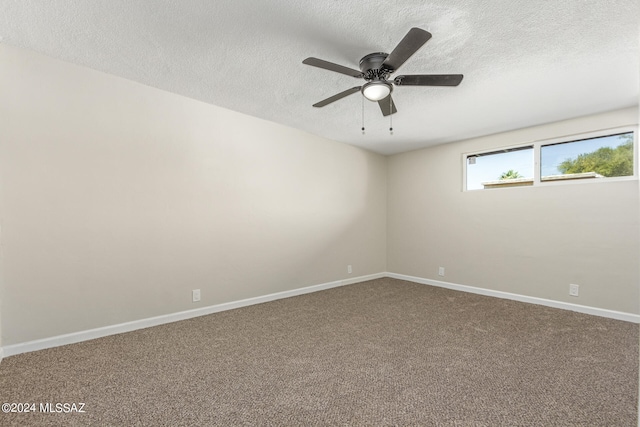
532	241
118	199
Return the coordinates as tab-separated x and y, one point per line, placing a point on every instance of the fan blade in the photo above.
415	38
387	106
321	63
336	97
429	80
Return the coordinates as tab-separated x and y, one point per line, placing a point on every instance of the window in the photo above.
603	156
508	167
597	156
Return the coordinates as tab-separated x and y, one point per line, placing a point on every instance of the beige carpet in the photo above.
383	352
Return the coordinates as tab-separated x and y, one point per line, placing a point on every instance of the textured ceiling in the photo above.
524	62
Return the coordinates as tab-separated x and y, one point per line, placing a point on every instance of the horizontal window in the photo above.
512	166
603	156
594	157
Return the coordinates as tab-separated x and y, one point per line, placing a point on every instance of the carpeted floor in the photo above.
383	352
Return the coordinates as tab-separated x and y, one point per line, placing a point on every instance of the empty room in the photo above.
330	213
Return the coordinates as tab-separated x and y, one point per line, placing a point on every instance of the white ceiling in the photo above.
525	62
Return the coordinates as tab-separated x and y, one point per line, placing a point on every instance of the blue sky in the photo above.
489	168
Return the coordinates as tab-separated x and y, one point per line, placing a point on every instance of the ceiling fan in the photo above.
376	68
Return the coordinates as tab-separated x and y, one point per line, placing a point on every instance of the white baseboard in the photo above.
618	315
363	278
80	336
90	334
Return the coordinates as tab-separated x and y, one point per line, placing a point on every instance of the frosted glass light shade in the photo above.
375	91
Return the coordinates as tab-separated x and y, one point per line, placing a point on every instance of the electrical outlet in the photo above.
349	269
195	295
573	290
441	271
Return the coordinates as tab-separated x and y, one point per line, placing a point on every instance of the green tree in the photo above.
510	174
605	161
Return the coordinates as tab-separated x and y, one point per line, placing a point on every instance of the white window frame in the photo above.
537	148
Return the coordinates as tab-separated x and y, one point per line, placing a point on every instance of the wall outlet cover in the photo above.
574	290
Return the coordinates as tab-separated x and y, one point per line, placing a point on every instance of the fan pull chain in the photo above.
390	116
362	114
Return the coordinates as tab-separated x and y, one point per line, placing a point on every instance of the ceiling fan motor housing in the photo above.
371	66
377	86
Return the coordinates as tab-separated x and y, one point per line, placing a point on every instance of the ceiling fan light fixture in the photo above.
377	90
376	68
